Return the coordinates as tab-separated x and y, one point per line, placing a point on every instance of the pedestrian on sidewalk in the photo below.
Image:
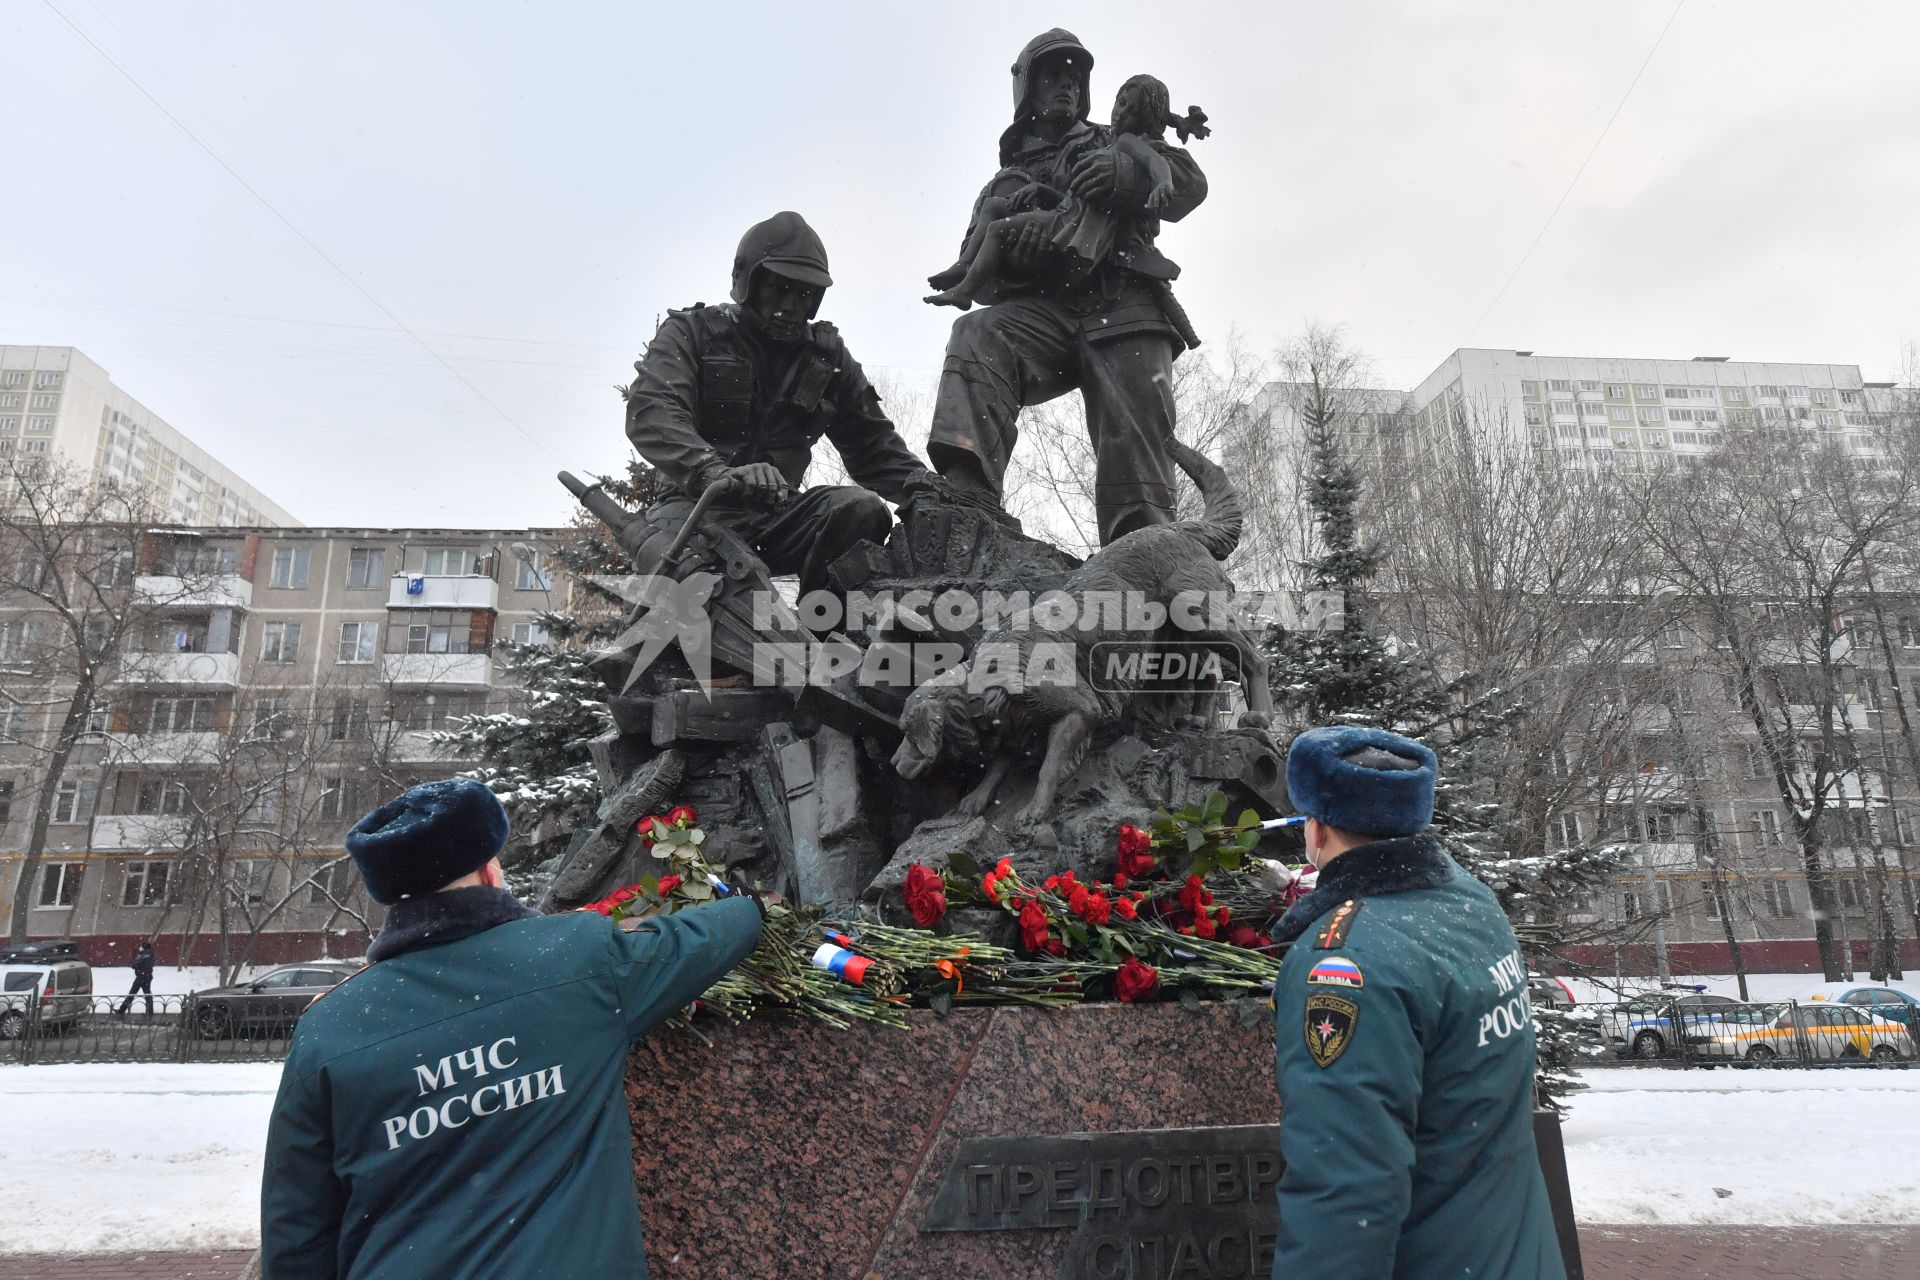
142	979
456	1109
1405	1041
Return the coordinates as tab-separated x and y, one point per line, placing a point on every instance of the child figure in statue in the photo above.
1080	234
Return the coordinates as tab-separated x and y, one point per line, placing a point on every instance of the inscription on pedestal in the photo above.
1151	1204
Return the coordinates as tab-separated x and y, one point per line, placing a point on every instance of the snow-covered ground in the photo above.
132	1156
1787	1147
151	1156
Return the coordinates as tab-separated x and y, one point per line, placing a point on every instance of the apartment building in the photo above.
1712	847
58	404
1631	415
277	682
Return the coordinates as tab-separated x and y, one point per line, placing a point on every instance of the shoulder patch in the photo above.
1336	971
1330	1025
1333	935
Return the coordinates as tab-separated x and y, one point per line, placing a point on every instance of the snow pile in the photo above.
133	1156
1789	1147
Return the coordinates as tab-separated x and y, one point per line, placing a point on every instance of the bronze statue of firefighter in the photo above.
822	781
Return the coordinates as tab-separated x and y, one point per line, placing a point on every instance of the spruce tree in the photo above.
1362	674
534	753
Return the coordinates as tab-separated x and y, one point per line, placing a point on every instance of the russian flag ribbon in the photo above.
841	963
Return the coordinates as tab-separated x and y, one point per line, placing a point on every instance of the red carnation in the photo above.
681	816
668	884
1135	982
1135	851
1003	868
926	895
1244	935
623	894
1204	927
1077	900
1125	909
1033	927
990	886
1055	947
1222	916
1192	895
1099	909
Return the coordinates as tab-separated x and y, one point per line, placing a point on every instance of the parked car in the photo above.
1650	1026
1550	993
1890	1003
1817	1032
267	1005
51	995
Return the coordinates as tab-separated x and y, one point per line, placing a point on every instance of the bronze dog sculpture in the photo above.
971	712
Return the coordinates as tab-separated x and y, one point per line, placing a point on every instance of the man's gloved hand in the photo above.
759	481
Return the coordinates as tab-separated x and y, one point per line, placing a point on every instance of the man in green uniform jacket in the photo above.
1405	1041
456	1109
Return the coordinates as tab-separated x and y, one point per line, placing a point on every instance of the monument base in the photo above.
792	1151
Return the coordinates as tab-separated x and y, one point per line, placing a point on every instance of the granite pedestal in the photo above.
791	1151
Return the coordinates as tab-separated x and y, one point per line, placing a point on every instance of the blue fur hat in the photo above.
429	836
1339	776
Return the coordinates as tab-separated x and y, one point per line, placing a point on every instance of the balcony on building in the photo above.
140	832
198	648
438	670
214	591
440	591
126	750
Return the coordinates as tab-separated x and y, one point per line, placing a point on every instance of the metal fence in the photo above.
241	1027
1785	1033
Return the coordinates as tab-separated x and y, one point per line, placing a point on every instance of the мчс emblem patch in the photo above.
1334	935
1330	1024
1336	971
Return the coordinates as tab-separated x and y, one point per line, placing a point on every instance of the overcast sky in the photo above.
526	187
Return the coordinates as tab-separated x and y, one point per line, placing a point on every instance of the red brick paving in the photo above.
1610	1253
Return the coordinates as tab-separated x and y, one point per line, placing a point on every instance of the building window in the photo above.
1846	891
1529	388
1756	761
60	883
13	722
450	562
1649	415
1823	419
1766	829
357	640
350	722
272	716
1656	439
289	568
73	800
530	633
264	807
18	638
1567	827
146	884
1909	632
1619	413
39	426
1616	391
280	642
366	568
1563	407
249	878
330	884
1534	414
6	800
161	797
1869	693
532	575
333	799
47	380
1779	898
1736	395
1822	396
181	715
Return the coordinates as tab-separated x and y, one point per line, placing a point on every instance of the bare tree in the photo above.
69	608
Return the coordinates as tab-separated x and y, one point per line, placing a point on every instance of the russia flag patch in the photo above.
1337	971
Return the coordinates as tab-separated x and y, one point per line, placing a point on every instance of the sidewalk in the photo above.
1610	1253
